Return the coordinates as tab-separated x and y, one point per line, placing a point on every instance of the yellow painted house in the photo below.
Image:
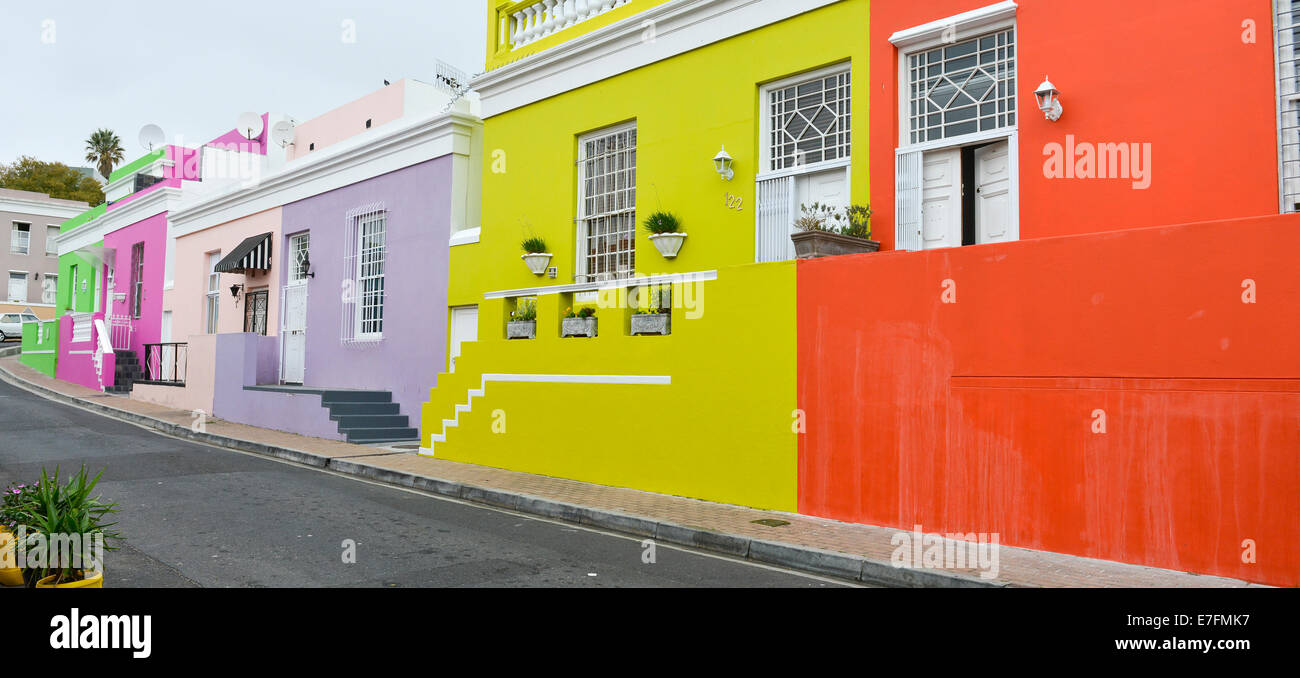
596	116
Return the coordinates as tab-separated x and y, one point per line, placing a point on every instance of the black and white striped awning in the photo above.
254	254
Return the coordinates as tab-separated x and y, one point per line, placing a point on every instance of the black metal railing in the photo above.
165	363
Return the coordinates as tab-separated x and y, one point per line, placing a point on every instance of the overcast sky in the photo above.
193	67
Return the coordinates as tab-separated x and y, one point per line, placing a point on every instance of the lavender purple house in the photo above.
349	260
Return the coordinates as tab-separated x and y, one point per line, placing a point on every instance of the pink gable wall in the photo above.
381	106
189	289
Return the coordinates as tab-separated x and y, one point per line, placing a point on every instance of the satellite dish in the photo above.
151	136
282	133
249	125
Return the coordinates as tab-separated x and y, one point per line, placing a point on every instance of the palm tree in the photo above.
105	150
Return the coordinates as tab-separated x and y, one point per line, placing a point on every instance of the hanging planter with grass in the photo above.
535	255
664	233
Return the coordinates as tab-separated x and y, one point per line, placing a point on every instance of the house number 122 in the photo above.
735	202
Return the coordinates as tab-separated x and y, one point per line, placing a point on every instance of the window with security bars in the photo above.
1288	91
137	278
607	204
963	88
808	122
367	257
299	256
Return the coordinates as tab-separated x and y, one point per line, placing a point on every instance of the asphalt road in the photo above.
201	516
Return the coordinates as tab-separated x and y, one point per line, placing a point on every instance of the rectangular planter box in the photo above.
521	329
815	244
651	323
578	327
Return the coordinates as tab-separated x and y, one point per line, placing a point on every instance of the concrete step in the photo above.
348	408
353	421
381	435
327	397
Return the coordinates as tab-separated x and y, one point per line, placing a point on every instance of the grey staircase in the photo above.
363	416
126	371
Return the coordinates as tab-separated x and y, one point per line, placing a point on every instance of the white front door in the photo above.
827	188
293	334
993	193
464	327
941	199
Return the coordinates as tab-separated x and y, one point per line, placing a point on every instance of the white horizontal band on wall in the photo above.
698	276
37	352
582	378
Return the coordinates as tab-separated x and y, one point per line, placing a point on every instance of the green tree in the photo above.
53	178
105	150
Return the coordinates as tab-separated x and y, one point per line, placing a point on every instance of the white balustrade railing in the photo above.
81	326
120	328
544	17
102	346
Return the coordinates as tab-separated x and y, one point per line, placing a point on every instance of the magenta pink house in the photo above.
115	331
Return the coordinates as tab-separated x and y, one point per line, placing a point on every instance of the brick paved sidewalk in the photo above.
808	543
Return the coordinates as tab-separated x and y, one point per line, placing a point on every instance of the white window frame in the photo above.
765	123
9	285
51	240
13	238
361	276
582	266
970	25
296	276
771	183
212	295
1288	137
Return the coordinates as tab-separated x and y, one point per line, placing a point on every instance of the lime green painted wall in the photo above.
499	54
83	218
137	164
43	337
720	431
86	270
686	108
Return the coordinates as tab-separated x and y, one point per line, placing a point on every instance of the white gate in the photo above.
775	220
293	334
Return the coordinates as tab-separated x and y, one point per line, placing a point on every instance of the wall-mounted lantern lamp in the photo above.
304	269
722	162
234	290
1049	100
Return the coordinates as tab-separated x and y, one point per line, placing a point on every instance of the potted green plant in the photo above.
65	520
14	504
827	231
665	233
523	321
651	321
579	324
535	255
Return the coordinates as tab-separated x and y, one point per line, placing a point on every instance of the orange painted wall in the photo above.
1176	75
977	416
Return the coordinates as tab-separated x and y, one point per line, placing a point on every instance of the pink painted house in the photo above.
126	336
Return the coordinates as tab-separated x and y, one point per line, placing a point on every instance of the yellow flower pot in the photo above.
9	575
94	581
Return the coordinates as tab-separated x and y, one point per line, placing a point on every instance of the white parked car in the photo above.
11	325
